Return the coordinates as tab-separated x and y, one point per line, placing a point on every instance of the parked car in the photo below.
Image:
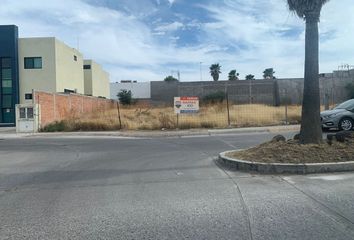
341	117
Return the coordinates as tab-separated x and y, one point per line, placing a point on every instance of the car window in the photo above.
346	105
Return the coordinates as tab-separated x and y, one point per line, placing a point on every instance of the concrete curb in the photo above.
149	134
256	129
279	168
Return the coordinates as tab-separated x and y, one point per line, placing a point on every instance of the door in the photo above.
8	115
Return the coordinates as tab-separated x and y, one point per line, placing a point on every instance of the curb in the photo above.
279	168
268	129
149	134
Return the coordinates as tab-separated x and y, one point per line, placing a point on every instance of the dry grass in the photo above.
210	116
293	152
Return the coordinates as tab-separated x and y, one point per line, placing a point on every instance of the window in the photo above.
30	112
6	101
6	74
87	66
33	62
6	63
22	113
26	113
7	83
68	91
6	86
28	96
75	58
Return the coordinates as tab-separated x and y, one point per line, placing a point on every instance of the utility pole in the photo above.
178	74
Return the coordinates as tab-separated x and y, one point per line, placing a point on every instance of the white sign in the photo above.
186	105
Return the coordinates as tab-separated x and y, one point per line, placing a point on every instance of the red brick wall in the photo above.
57	106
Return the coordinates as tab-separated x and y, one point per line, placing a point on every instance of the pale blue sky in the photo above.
145	40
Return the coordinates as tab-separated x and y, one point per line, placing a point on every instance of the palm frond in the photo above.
301	7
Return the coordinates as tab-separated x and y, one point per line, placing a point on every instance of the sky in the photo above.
147	40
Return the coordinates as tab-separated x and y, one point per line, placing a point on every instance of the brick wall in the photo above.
57	106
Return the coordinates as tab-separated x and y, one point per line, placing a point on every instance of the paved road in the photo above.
161	188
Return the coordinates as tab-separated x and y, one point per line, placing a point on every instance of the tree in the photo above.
233	75
215	71
268	73
249	77
170	79
125	97
310	11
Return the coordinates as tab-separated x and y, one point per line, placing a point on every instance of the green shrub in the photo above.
125	97
57	126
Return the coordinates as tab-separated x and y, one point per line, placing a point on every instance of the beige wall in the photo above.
69	73
59	69
40	79
96	80
88	78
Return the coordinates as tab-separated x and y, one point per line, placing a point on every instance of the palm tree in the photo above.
215	71
249	77
310	10
233	75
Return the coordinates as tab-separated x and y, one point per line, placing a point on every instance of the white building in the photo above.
140	90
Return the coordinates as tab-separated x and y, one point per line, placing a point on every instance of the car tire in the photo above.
346	124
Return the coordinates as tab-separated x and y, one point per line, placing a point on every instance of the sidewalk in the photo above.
11	132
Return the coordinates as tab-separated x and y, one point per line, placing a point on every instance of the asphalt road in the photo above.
161	188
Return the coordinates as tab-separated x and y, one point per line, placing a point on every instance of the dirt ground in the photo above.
292	152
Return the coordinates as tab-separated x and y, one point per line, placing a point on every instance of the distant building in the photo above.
96	80
44	64
140	90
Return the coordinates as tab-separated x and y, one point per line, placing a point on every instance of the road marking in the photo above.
225	142
331	177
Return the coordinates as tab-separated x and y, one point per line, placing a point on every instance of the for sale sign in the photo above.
186	105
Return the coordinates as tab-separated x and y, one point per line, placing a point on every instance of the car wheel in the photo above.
346	124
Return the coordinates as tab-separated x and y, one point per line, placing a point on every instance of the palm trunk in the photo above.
311	131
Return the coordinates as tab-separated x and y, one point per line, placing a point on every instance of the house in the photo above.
43	64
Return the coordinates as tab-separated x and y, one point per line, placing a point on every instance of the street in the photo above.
161	188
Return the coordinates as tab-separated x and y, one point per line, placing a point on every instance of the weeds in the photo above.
147	118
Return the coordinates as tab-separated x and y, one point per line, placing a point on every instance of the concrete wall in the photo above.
69	72
332	87
57	106
96	80
41	79
140	90
240	92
